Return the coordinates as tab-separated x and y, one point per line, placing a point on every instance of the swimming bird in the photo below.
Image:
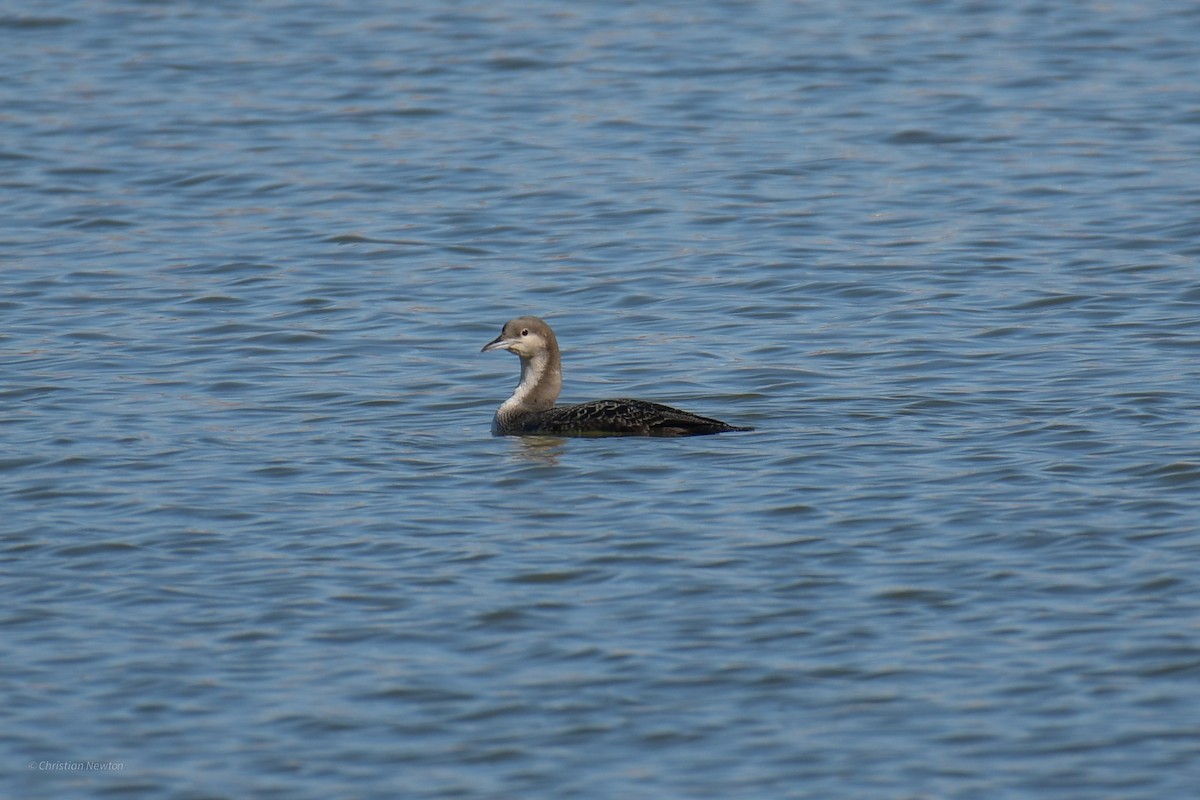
531	409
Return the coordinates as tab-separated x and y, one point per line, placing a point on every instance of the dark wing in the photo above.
623	417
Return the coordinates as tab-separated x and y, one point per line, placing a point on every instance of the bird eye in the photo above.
525	331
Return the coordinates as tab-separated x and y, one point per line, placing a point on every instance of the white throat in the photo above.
532	371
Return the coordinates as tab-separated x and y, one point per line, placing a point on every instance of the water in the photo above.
257	540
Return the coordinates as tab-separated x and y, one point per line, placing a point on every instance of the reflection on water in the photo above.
545	449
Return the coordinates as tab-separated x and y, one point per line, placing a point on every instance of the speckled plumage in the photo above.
618	417
531	409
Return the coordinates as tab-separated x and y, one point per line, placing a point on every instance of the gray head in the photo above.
541	367
525	336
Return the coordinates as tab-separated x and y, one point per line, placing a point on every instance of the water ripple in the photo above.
259	540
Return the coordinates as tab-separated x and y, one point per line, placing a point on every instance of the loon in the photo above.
531	409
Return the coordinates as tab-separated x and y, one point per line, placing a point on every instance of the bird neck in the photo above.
541	381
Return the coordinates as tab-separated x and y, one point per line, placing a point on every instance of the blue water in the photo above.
258	542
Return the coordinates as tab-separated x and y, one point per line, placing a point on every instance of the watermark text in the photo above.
76	766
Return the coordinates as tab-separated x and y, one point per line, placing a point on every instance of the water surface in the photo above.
257	539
